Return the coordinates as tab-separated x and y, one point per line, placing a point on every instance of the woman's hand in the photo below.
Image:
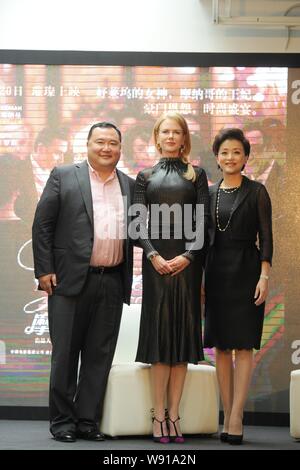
261	291
161	265
178	264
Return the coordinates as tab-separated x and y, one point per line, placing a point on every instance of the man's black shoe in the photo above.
65	436
90	435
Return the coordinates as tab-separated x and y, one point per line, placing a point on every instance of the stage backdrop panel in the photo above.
37	100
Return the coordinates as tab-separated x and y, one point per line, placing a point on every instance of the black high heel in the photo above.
235	439
224	436
161	439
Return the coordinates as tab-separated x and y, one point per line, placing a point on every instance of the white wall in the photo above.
138	25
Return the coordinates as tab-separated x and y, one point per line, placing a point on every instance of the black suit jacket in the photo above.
63	229
251	216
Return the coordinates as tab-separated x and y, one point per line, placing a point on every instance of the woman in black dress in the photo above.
170	329
236	275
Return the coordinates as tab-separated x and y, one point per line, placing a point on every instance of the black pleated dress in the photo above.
170	328
233	266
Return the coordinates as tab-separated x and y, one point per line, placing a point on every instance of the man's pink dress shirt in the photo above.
108	210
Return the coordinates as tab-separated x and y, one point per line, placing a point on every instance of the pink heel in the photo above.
162	439
177	439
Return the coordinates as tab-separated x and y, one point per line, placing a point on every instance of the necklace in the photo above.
217	208
230	190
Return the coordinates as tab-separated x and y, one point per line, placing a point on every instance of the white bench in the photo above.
295	404
128	396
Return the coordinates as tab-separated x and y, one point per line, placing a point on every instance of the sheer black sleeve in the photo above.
202	197
264	209
140	198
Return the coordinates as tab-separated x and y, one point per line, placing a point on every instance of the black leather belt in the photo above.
104	269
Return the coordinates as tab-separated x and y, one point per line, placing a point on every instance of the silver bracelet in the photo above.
264	276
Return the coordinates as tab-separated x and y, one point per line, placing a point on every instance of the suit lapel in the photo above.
125	190
213	200
242	193
82	173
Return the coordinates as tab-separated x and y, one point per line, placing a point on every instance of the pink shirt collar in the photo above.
111	176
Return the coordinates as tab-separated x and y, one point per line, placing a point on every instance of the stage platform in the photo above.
34	435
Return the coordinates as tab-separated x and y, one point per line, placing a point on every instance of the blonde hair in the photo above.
185	152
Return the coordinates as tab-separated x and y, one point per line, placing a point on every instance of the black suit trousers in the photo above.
83	331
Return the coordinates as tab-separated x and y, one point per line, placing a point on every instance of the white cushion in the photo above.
295	404
128	401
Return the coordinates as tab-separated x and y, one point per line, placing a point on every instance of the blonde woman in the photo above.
170	329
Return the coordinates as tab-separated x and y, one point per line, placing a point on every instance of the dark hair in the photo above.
231	134
104	125
133	133
48	134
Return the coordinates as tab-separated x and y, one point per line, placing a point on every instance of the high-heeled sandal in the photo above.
161	439
178	439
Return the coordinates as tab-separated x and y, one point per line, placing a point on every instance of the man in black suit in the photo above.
83	260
